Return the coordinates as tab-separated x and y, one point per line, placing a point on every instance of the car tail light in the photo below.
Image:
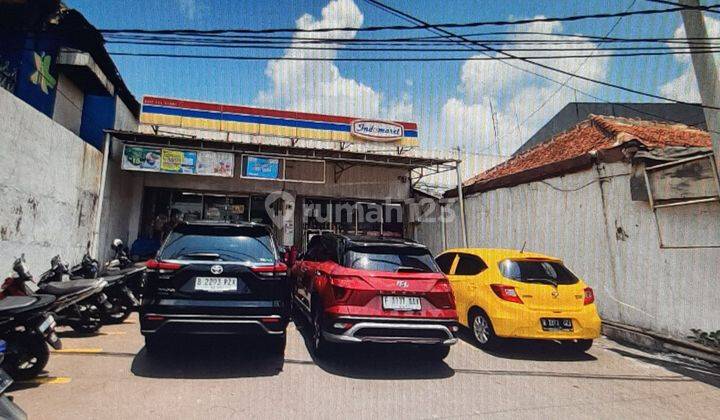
153	317
441	295
351	290
507	293
589	296
162	265
270	270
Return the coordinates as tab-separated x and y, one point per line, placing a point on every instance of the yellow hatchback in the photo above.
509	293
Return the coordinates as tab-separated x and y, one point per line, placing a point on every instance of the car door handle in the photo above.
317	273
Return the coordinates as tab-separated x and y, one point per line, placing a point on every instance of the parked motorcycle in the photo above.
8	409
26	324
77	302
120	274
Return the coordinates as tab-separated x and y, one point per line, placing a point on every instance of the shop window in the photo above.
258	213
237	209
393	220
369	219
186	206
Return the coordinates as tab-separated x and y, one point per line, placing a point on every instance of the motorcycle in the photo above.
27	324
8	409
120	274
77	302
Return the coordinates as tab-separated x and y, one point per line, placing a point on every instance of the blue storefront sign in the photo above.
260	167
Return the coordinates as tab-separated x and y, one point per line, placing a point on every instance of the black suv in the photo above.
216	278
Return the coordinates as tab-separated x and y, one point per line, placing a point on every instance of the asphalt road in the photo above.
110	376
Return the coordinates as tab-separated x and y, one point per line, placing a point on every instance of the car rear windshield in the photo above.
219	243
391	259
538	271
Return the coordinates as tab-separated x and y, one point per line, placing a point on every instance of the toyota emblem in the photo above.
216	269
402	283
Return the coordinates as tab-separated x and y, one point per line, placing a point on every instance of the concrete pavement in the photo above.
110	376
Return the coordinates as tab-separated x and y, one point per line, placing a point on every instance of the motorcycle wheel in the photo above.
87	327
116	317
26	356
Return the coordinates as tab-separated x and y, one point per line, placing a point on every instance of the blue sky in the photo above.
450	100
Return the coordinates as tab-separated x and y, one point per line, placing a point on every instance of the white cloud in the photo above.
400	109
684	87
318	86
188	7
514	94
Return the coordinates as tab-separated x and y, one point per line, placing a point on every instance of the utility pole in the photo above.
706	72
461	201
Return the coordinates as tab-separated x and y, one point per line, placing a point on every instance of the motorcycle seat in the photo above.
12	305
61	288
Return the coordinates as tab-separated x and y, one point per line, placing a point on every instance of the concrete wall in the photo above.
606	239
49	185
68	104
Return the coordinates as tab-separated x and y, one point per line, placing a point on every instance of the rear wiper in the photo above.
403	268
203	255
546	281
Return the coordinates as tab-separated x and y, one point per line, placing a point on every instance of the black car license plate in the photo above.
555	324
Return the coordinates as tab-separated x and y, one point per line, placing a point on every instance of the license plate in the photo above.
401	303
48	323
550	324
216	284
5	381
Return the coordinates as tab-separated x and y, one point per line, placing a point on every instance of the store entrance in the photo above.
163	208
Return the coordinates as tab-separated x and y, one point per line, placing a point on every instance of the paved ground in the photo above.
112	377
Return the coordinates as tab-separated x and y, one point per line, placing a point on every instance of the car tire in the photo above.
436	352
153	345
321	348
26	355
578	346
277	344
482	331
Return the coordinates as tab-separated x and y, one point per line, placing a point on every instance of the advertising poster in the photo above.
157	159
215	164
260	167
178	161
140	158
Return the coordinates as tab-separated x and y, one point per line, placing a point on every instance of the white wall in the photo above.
69	100
49	183
606	239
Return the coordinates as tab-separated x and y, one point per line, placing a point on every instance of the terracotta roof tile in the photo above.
597	133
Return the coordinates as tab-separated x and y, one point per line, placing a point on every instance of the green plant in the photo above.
710	339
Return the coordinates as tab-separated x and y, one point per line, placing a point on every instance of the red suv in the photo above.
368	289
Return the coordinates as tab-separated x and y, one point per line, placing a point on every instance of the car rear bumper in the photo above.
586	324
175	317
389	330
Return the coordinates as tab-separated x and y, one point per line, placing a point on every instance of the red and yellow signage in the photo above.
274	122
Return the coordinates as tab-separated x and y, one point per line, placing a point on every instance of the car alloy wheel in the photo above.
481	329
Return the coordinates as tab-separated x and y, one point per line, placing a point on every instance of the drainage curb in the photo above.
657	342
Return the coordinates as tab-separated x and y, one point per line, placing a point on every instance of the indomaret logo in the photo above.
377	130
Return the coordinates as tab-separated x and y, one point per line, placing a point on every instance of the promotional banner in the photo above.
260	167
140	158
215	164
190	162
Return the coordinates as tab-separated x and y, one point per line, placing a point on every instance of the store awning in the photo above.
342	157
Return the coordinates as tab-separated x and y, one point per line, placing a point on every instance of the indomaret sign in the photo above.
274	122
373	130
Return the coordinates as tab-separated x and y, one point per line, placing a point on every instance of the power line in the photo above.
564	84
545	66
412	59
261	46
419	26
